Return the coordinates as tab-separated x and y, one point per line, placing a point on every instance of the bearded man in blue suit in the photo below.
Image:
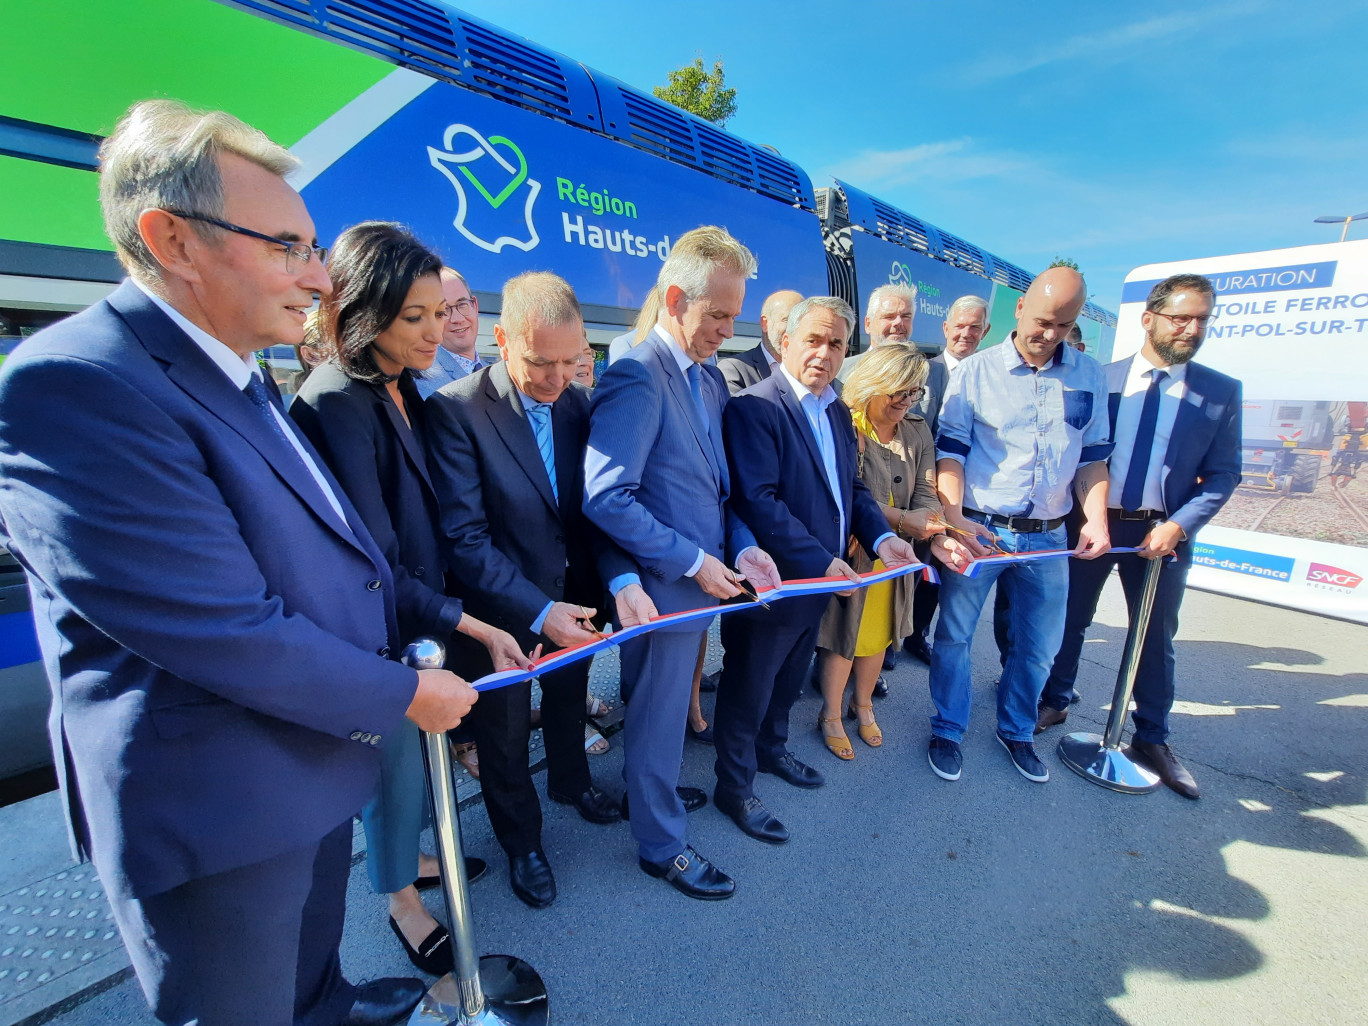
217	624
1176	462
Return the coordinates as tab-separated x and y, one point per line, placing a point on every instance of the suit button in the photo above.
375	740
835	520
383	651
560	539
897	479
418	571
373	585
365	738
560	582
356	735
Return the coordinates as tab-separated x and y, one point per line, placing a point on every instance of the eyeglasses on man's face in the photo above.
1181	321
461	307
297	254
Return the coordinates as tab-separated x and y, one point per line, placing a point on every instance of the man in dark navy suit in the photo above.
1176	428
792	449
215	619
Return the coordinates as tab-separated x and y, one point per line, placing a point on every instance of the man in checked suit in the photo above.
754	365
216	621
506	451
1176	428
657	483
792	450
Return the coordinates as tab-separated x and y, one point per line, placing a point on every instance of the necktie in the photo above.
263	399
696	387
540	415
1133	493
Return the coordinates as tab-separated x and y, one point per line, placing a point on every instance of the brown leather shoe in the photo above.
1161	760
1050	718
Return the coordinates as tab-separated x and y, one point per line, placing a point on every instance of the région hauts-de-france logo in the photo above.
899	274
501	207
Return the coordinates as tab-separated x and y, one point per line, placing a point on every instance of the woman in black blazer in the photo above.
362	412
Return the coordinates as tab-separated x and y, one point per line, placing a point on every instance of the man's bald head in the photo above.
1046	313
774	315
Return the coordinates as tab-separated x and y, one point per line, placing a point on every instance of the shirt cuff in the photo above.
697	564
541	619
621	581
742	554
881	539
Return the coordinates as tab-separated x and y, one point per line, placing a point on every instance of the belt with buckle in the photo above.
1018	525
1138	514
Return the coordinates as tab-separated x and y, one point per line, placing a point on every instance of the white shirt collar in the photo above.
238	368
770	358
951	361
1140	370
823	400
682	359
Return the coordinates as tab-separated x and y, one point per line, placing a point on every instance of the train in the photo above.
501	154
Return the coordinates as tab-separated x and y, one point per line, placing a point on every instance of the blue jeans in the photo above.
1039	596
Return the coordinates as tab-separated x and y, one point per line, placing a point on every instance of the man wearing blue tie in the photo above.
657	482
1176	428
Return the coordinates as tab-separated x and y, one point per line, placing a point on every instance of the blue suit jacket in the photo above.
1202	464
210	627
656	480
781	486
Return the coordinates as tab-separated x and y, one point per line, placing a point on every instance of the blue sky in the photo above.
1114	134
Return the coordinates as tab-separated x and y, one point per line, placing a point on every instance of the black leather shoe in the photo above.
881	687
753	818
433	955
694	798
384	1001
917	648
1161	760
475	868
531	879
593	805
797	773
690	873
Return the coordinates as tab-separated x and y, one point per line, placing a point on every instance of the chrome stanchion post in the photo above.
1099	758
487	991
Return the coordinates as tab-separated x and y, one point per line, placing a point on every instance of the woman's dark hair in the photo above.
373	265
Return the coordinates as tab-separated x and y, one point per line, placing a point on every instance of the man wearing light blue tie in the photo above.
656	482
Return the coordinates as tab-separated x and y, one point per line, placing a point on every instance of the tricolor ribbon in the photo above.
788	589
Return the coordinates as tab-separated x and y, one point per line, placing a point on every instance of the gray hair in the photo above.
967	303
697	255
837	306
907	292
537	299
163	155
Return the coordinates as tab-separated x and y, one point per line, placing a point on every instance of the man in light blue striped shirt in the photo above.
1023	435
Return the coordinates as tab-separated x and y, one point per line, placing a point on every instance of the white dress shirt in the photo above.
814	408
1171	393
239	370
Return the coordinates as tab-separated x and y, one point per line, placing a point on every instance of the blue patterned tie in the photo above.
696	387
540	415
263	399
1133	493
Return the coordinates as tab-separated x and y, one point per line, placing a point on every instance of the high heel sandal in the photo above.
870	733
837	744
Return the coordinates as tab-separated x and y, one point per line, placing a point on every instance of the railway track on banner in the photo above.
1348	504
1267	512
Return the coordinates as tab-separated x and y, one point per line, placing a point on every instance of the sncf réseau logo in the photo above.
1333	576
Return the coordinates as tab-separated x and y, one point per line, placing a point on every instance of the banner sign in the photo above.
498	190
1292	325
939	284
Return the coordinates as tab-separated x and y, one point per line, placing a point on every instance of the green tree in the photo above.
1060	261
700	92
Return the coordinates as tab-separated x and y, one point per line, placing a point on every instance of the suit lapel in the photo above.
683	396
801	425
506	413
407	436
204	382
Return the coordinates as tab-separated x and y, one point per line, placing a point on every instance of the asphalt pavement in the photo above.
903	898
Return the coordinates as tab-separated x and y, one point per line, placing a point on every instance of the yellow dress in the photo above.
876	622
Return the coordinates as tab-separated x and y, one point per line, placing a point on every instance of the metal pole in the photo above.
1345	234
1099	758
492	990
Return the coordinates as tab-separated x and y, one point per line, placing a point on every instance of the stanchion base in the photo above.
514	995
1087	756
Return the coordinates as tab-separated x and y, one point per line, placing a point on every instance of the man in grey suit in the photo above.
965	326
755	365
656	482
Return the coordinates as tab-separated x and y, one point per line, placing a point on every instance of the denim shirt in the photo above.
1020	433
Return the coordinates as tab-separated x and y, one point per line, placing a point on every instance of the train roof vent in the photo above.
902	228
963	254
640	120
437	41
1010	274
831	208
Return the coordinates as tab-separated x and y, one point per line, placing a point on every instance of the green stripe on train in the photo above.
79	64
45	203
